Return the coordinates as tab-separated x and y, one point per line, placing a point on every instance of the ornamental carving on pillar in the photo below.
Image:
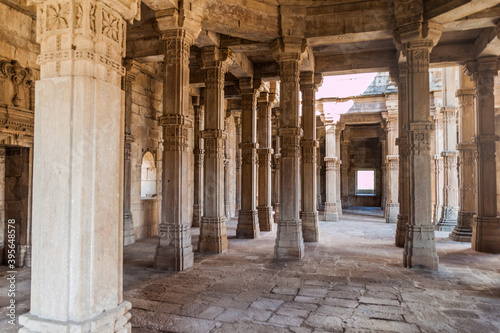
177	46
175	132
214	143
248	153
419	138
418	55
290	141
309	151
331	163
19	76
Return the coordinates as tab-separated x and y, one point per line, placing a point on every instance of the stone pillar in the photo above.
237	123
199	155
420	247
309	83
403	148
331	211
450	154
226	172
174	250
266	220
392	168
77	229
128	220
383	144
467	208
438	167
289	241
345	171
320	135
338	132
277	160
213	235
248	223
486	225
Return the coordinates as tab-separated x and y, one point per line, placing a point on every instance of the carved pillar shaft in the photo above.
248	223
486	225
266	220
467	206
277	184
331	210
309	213
174	250
420	247
213	235
237	121
345	172
338	151
392	168
78	168
402	142
289	241
226	173
128	221
199	155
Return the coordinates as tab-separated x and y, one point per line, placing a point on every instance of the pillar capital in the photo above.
183	19
418	35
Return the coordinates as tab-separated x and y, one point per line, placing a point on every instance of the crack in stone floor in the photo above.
351	281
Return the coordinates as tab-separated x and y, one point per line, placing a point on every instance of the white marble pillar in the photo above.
248	222
77	229
265	151
450	154
331	211
174	250
289	240
309	82
486	225
403	149
199	156
392	170
420	246
467	207
213	235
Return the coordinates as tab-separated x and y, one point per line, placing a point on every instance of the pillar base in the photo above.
213	235
128	230
391	212
248	224
197	214
331	212
420	249
463	230
115	320
289	241
310	226
266	219
486	234
400	239
448	219
174	251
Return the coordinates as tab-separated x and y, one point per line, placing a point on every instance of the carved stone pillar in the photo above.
237	123
226	173
78	162
420	247
277	160
309	83
384	169
338	151
128	220
266	220
289	241
438	163
486	225
248	223
402	142
174	250
392	168
213	235
199	156
331	211
345	171
450	154
463	230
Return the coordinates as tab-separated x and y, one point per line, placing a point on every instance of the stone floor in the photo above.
351	281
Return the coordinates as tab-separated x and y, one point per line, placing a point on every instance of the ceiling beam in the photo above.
444	11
